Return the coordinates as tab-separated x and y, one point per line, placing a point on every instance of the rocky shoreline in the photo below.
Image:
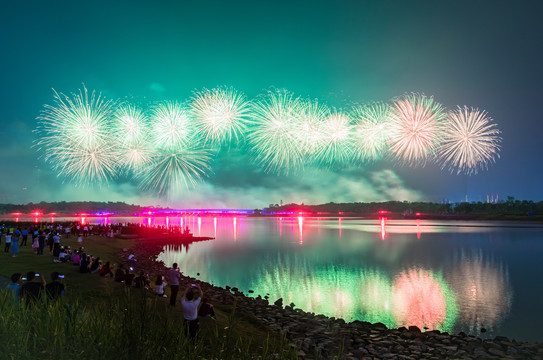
318	336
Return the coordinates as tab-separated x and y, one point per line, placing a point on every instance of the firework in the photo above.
74	136
371	131
307	126
470	141
169	172
132	133
274	137
172	127
221	114
335	139
417	122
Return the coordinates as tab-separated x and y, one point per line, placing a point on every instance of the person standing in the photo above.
8	242
41	242
25	237
190	303
173	279
14	246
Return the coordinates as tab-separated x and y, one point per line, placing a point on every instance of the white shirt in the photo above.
190	308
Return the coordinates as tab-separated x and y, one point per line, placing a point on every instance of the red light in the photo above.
340	212
418	214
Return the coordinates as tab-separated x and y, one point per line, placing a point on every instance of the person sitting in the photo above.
120	274
57	287
76	258
159	286
62	255
206	309
106	270
31	290
96	266
129	278
141	281
190	303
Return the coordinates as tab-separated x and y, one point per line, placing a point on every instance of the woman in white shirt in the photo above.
190	303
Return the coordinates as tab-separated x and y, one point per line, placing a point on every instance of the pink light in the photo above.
167	222
235	229
418	214
52	219
148	222
339	227
36	220
16	219
215	227
419	300
301	229
199	226
83	220
418	228
149	213
383	229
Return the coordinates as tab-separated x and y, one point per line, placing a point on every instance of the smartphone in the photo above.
193	285
61	276
37	274
131	268
24	279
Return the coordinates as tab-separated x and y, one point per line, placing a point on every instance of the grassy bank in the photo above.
98	317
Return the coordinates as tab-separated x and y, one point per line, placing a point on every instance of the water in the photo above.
451	276
448	275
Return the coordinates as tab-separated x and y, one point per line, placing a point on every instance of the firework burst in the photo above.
470	141
307	127
274	137
371	131
172	127
221	114
74	135
335	139
131	128
417	123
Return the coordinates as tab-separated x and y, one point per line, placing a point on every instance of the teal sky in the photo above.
484	54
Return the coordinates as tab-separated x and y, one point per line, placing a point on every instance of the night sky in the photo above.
483	54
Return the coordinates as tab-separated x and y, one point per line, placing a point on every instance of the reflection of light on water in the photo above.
280	226
149	222
339	220
83	220
483	291
421	299
199	226
16	219
418	229
301	229
235	229
214	227
383	230
52	219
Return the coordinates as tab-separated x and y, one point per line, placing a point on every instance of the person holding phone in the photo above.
31	290
56	287
191	299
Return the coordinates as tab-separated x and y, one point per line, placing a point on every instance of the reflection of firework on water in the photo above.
424	300
274	137
483	292
221	114
470	141
132	133
335	144
74	135
372	131
417	123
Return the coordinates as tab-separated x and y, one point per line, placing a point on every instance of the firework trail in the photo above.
169	172
221	114
372	131
417	123
274	137
74	134
470	141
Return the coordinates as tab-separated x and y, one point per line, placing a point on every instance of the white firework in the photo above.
221	115
470	141
371	131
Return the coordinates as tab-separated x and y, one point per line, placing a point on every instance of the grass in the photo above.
99	318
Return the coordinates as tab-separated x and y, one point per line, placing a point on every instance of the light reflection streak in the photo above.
383	229
199	226
339	220
215	227
235	229
301	229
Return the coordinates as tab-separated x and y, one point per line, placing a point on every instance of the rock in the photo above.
496	352
279	302
252	291
414	329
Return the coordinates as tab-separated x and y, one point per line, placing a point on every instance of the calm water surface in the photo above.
446	275
451	276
